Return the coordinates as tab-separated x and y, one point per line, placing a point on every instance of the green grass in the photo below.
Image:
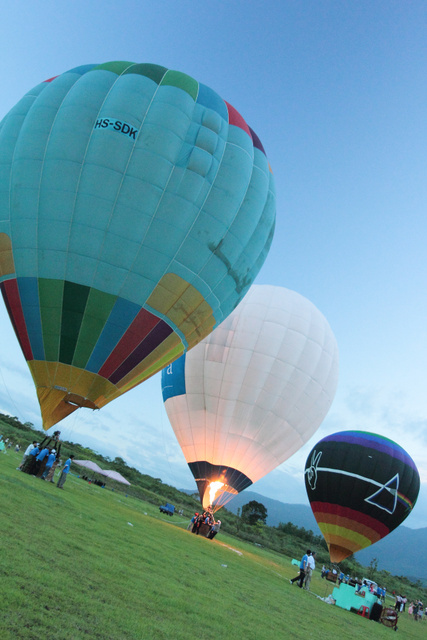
71	566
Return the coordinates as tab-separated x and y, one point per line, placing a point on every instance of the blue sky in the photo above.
336	90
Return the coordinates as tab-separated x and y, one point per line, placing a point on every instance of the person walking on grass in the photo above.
302	569
64	473
311	565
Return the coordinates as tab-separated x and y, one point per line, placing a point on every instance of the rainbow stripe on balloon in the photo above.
140	209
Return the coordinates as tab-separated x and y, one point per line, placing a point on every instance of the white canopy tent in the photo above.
114	475
109	473
88	464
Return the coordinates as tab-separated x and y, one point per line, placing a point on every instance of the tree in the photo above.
372	568
254	512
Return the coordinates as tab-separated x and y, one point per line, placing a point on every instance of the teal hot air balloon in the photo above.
136	208
360	486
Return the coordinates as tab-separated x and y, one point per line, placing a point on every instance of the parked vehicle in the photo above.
168	508
369	583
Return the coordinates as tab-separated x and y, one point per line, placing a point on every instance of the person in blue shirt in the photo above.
43	453
50	460
302	569
39	459
64	473
192	521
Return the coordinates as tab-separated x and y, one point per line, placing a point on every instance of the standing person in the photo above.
39	459
51	473
30	462
197	524
311	565
27	453
192	521
415	611
214	530
50	460
302	569
64	473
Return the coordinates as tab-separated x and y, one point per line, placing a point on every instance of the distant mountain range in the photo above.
400	553
277	511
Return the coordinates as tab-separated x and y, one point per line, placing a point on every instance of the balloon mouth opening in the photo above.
78	401
215	494
57	403
337	554
217	484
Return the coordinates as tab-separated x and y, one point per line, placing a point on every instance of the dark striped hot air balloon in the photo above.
360	486
136	208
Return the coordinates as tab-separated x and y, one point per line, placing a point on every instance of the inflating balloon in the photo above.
136	208
252	392
360	486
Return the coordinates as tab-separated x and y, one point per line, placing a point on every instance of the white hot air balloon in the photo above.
253	392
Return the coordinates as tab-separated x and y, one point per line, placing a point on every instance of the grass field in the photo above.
88	563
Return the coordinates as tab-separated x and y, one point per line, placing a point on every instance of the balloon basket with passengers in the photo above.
43	459
205	523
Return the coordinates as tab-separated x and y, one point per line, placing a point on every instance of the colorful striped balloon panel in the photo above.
360	486
136	208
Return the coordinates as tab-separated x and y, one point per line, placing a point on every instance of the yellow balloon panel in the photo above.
7	265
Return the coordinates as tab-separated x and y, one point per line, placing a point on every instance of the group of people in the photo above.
360	585
98	483
33	458
306	568
5	444
378	591
416	609
205	518
400	603
8	444
39	458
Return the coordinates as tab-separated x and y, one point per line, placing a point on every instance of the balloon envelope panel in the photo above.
255	390
361	486
136	207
